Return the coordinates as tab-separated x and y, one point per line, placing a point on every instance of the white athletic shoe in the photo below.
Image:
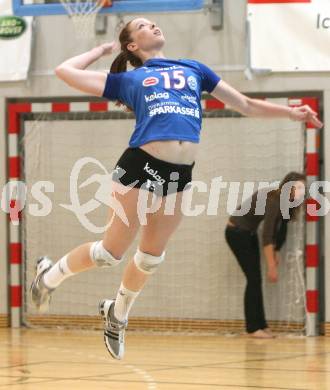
40	293
114	330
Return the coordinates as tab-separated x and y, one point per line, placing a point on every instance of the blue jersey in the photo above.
165	96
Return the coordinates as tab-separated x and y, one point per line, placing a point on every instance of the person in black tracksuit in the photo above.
241	236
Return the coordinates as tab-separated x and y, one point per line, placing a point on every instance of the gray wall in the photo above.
187	36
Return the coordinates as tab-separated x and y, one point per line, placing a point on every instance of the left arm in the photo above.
260	108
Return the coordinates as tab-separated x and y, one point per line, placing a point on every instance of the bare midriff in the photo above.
176	152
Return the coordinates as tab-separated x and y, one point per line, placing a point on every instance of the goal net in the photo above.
200	286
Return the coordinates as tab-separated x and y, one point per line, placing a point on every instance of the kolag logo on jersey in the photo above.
150	81
153	96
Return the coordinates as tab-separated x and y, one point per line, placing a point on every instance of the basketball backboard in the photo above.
55	7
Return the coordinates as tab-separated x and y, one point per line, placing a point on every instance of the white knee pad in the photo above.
101	257
147	263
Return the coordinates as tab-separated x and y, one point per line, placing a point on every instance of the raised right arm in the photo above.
73	71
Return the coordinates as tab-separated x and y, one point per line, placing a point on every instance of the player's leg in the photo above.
108	252
257	269
150	254
154	237
244	247
253	294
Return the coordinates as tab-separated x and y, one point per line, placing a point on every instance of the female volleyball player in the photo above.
165	97
241	236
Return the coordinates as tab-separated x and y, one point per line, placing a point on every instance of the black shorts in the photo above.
137	168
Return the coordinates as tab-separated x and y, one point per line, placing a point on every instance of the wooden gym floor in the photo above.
60	359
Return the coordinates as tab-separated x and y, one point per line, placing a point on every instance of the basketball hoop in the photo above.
83	14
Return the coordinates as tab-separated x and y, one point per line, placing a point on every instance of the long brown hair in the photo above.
290	177
119	64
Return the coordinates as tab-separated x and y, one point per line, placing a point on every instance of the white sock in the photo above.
124	301
58	273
